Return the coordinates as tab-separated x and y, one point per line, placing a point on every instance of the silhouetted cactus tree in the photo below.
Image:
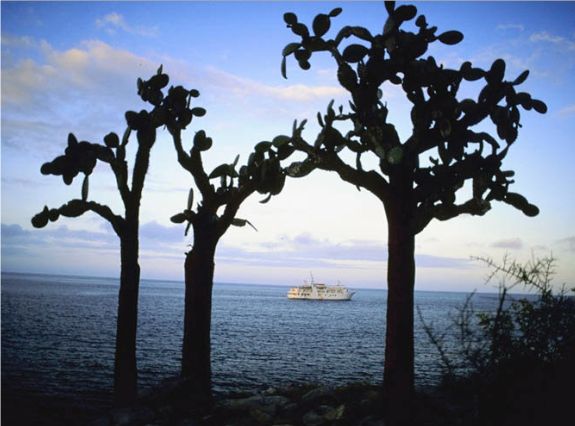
419	178
81	157
215	212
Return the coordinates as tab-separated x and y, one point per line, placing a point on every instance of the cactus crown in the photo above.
442	123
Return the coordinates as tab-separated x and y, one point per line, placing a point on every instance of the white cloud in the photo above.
515	27
307	251
521	54
87	87
114	21
510	244
86	64
95	73
240	86
568	244
20	83
154	239
14	236
303	251
556	40
300	92
9	40
568	110
92	65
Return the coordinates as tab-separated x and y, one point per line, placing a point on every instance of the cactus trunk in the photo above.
125	369
196	351
399	345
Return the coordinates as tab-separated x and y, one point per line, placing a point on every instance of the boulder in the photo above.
187	422
270	391
371	421
318	395
131	415
312	418
100	421
260	416
256	401
335	413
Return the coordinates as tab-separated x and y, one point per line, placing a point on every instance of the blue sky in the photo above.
72	67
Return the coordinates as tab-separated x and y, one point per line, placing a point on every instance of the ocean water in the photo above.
58	336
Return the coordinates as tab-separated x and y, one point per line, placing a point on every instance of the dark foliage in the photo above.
516	363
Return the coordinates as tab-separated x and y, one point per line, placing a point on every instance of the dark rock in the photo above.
276	401
289	408
269	404
318	395
297	405
373	395
312	418
165	410
131	415
186	422
261	416
284	421
101	421
323	409
166	390
371	421
335	413
270	391
367	405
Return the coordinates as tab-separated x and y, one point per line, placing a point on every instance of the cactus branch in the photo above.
140	169
445	211
330	161
120	168
183	158
77	207
193	164
234	204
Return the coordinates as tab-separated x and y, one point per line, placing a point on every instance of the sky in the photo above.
72	67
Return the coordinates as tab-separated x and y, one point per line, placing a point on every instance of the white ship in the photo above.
319	291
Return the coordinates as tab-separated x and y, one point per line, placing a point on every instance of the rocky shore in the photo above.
357	404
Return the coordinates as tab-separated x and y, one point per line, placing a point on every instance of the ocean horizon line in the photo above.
286	286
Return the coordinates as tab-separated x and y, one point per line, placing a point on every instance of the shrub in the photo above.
515	362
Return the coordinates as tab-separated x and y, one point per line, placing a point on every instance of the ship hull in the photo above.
315	291
335	299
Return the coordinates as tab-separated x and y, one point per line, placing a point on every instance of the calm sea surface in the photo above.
58	336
